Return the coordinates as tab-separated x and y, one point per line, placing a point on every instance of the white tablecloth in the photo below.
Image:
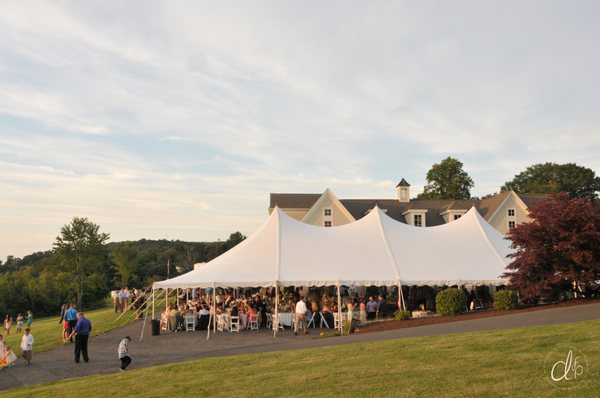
286	318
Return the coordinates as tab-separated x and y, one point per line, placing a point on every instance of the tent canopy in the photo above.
375	250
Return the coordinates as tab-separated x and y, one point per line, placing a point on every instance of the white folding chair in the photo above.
336	320
220	323
234	324
269	324
253	322
311	320
323	321
277	323
190	323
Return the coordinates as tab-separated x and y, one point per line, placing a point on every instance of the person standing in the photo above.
371	308
123	352
19	323
300	316
7	324
71	318
29	318
27	346
382	307
82	333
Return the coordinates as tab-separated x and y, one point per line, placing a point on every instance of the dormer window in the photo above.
418	220
415	217
457	216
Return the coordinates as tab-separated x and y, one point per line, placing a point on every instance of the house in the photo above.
502	211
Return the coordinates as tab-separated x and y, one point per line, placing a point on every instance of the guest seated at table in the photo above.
175	320
251	312
234	309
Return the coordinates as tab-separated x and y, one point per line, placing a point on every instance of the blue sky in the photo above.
177	119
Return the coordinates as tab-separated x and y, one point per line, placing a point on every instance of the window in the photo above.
457	216
511	224
327	212
418	220
511	212
327	223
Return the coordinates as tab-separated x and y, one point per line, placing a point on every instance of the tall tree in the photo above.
577	181
124	258
559	246
447	180
79	248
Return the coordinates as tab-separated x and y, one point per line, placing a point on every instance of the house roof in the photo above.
394	208
403	183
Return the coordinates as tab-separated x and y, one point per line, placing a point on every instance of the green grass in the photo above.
499	363
47	332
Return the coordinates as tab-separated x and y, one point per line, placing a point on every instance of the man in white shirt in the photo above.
27	346
300	316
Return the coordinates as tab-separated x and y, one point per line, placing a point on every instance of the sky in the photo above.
175	120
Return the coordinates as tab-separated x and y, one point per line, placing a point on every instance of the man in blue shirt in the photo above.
71	318
82	332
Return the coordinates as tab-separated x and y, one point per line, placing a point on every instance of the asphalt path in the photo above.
59	364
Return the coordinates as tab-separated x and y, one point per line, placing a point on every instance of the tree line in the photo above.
82	268
448	180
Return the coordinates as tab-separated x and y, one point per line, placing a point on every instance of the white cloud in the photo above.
182	117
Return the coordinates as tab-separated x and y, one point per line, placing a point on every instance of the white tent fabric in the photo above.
375	250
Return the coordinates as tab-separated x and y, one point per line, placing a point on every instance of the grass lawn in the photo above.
499	363
47	332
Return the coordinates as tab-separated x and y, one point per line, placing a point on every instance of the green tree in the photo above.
447	180
124	258
558	247
79	248
234	239
577	181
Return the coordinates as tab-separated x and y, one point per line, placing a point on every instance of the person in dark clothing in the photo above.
82	333
382	308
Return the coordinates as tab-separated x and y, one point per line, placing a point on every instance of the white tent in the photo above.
375	250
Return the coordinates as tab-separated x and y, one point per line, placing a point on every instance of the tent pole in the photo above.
401	296
214	310
339	309
153	315
177	298
276	326
166	298
145	320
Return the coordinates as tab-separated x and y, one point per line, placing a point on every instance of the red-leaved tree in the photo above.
559	246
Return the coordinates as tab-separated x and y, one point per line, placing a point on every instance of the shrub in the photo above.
450	302
506	300
402	315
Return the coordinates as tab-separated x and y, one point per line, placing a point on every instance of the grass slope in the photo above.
47	332
482	364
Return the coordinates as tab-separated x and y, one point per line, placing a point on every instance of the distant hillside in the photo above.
41	283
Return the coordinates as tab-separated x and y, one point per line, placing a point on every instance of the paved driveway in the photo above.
58	364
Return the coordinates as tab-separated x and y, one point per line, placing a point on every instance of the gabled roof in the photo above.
403	183
358	208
